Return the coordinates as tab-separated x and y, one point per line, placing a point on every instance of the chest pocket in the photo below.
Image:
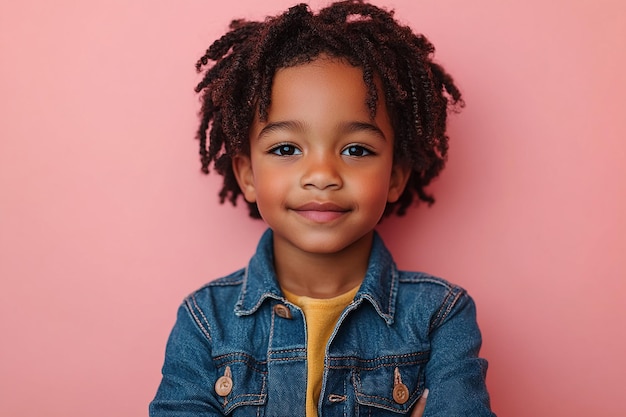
241	387
389	386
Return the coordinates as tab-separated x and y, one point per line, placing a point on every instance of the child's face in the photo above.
320	168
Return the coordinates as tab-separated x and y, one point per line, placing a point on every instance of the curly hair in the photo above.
238	83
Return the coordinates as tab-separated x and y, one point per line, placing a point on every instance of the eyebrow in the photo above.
355	127
346	127
277	126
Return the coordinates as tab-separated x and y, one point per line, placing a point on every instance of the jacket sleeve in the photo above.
455	375
189	373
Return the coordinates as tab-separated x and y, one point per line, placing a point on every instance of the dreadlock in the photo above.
239	82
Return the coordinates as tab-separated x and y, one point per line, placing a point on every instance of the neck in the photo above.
322	275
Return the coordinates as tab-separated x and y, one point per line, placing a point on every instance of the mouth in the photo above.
321	212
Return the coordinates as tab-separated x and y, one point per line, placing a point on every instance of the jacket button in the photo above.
282	311
224	384
400	393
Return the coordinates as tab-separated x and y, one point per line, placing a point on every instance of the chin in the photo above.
326	244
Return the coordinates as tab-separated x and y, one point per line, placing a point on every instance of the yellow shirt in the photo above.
321	316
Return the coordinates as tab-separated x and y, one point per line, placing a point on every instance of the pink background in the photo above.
106	222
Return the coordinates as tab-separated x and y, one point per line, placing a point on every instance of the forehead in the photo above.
324	84
322	98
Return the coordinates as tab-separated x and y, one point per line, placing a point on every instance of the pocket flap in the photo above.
374	383
247	385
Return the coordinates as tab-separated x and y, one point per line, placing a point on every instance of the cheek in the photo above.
377	196
373	188
271	188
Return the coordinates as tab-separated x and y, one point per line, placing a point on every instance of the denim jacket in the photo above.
402	333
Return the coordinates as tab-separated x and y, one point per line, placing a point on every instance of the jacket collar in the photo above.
379	287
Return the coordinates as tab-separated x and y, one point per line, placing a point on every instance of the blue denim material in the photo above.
421	325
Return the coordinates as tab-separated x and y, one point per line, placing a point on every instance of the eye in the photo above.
356	150
285	150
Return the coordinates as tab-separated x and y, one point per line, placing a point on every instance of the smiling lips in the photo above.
321	212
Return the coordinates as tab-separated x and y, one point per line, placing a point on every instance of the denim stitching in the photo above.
386	399
261	371
246	355
261	299
376	305
260	398
244	292
381	405
206	321
345	390
288	350
404	355
196	319
263	386
360	368
223	283
242	295
391	293
381	359
412	279
383	402
356	381
451	305
446	307
232	279
437	319
271	336
288	359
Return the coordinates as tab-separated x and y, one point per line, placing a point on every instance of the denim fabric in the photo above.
420	325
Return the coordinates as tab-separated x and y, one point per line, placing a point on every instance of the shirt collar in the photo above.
379	287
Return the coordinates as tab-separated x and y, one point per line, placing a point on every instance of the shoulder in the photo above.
208	306
221	293
234	279
228	282
431	295
427	284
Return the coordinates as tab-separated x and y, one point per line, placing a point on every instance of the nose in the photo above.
321	172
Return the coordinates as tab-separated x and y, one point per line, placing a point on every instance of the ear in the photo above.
400	174
242	167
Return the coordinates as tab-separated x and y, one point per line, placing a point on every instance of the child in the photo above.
324	123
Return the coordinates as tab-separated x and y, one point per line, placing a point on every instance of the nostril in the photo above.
321	179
